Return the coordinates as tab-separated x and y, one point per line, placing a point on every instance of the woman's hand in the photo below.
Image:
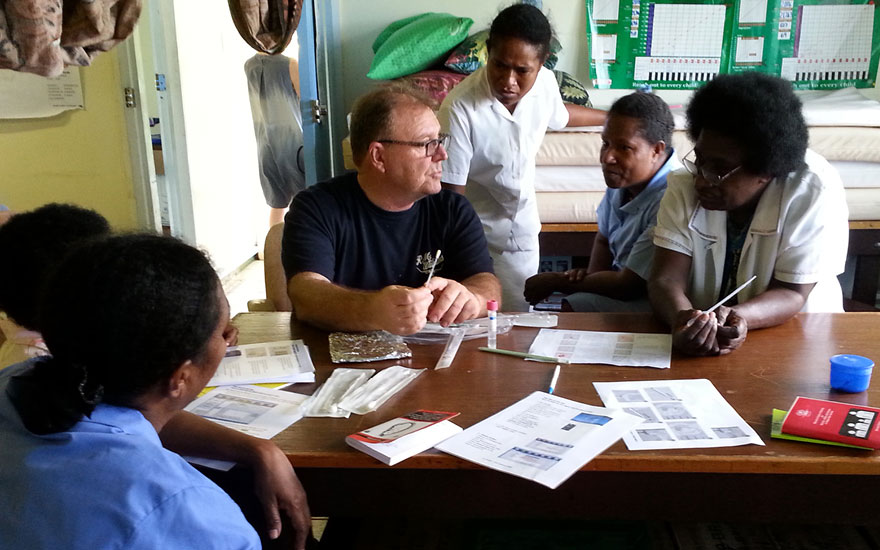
732	330
278	489
694	332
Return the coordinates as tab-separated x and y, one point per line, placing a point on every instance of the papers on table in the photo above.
543	437
260	412
282	361
678	414
626	349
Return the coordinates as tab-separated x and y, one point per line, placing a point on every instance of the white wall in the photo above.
221	153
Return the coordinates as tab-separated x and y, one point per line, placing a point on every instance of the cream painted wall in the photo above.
79	157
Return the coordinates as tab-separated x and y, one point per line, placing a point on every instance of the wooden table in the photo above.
781	481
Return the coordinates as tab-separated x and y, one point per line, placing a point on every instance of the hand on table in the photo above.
695	332
732	330
453	302
400	309
540	286
279	490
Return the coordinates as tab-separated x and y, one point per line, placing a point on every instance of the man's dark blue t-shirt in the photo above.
334	230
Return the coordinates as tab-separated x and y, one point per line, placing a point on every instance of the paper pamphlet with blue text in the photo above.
544	438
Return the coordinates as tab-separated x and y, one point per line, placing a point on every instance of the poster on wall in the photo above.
25	95
680	44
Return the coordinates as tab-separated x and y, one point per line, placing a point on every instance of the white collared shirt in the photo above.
493	151
799	235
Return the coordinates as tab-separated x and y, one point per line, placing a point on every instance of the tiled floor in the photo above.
246	284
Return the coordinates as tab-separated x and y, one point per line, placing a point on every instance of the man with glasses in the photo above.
385	248
752	201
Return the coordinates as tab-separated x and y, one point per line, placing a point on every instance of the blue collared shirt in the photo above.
628	226
107	483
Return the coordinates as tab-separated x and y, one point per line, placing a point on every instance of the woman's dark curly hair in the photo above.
37	241
758	111
523	22
655	118
119	317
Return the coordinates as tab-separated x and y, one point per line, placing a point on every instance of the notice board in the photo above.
816	44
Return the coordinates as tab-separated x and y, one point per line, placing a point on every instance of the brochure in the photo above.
282	361
544	438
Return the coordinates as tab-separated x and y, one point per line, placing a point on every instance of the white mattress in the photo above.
571	194
581	148
580	207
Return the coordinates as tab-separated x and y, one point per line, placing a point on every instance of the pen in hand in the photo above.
731	295
431	273
553	380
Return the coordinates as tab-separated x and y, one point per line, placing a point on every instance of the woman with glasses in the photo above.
497	117
753	201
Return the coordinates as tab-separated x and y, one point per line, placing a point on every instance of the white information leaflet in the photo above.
26	95
282	361
544	438
626	349
256	411
677	414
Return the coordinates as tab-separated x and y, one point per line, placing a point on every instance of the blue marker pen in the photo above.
554	380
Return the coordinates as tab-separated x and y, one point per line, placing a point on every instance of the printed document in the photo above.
544	438
677	414
260	412
626	349
282	361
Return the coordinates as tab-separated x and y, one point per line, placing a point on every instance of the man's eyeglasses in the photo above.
430	146
711	178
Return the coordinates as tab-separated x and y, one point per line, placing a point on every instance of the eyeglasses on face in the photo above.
431	146
692	166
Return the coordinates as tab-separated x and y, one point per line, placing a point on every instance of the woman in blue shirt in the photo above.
135	327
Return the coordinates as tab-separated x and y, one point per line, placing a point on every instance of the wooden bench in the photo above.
576	239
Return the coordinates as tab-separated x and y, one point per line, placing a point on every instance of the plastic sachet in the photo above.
360	347
540	319
434	333
377	390
343	381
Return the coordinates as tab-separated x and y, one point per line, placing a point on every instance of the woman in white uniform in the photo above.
753	201
497	118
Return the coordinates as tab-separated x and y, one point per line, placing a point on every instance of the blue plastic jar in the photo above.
851	373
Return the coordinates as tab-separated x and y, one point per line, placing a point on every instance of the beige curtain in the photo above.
266	25
42	36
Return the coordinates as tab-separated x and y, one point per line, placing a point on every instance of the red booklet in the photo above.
833	421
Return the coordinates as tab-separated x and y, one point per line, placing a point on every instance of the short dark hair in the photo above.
35	242
655	118
761	113
120	315
524	22
372	115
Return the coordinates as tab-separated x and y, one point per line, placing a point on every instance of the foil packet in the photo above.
361	347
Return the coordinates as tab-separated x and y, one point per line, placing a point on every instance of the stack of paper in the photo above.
282	361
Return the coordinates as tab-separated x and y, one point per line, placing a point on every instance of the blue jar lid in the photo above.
846	360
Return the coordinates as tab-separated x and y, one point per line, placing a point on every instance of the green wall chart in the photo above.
816	44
